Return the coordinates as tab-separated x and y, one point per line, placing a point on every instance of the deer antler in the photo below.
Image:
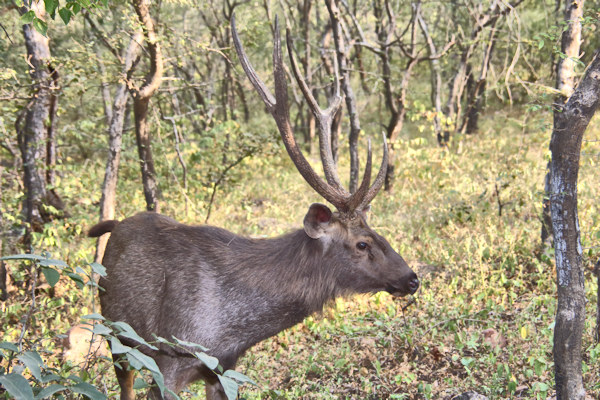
332	190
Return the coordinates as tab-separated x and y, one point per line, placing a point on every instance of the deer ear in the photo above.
317	220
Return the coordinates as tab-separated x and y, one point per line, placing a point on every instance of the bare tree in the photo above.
115	138
141	99
342	50
570	122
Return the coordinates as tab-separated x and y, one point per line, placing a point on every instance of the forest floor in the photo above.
466	218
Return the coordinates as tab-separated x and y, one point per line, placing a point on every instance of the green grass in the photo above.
480	270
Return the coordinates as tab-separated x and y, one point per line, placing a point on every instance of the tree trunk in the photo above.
33	135
115	136
565	82
141	100
570	123
342	58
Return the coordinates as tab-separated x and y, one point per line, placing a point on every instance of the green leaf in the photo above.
140	384
88	391
138	360
52	276
65	15
189	344
98	268
239	377
30	257
50	378
40	26
47	262
33	361
51	6
77	279
48	391
94	316
26	19
230	386
210	361
116	347
76	8
9	346
127	331
17	386
100	329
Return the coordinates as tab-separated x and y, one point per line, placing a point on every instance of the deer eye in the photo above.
362	245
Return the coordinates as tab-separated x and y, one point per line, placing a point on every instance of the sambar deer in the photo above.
206	285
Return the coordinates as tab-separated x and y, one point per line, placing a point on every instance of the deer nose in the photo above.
413	285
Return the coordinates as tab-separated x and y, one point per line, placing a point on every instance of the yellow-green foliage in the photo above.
484	274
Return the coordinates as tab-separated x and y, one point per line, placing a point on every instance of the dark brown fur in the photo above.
226	292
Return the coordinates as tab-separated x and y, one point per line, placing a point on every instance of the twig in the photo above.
597	331
31	308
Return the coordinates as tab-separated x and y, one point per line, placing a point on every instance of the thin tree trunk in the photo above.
565	82
115	137
570	123
141	100
33	135
342	57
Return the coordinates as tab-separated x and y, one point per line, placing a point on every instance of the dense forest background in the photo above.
110	116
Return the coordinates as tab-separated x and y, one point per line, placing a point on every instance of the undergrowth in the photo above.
467	220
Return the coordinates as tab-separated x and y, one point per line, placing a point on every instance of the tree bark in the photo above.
141	99
570	123
115	137
565	82
33	135
342	57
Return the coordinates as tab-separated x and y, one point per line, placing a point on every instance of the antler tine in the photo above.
258	84
358	197
378	183
278	108
323	118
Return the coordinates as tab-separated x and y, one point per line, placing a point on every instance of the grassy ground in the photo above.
466	219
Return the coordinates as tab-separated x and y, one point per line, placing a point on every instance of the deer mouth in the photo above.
407	288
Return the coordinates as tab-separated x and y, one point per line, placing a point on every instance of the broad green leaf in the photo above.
127	331
77	279
76	8
30	257
33	361
52	276
49	378
239	377
100	329
116	347
9	346
88	391
40	26
98	268
230	386
210	361
189	344
51	7
146	361
48	391
26	19
17	386
53	263
94	316
140	384
65	15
